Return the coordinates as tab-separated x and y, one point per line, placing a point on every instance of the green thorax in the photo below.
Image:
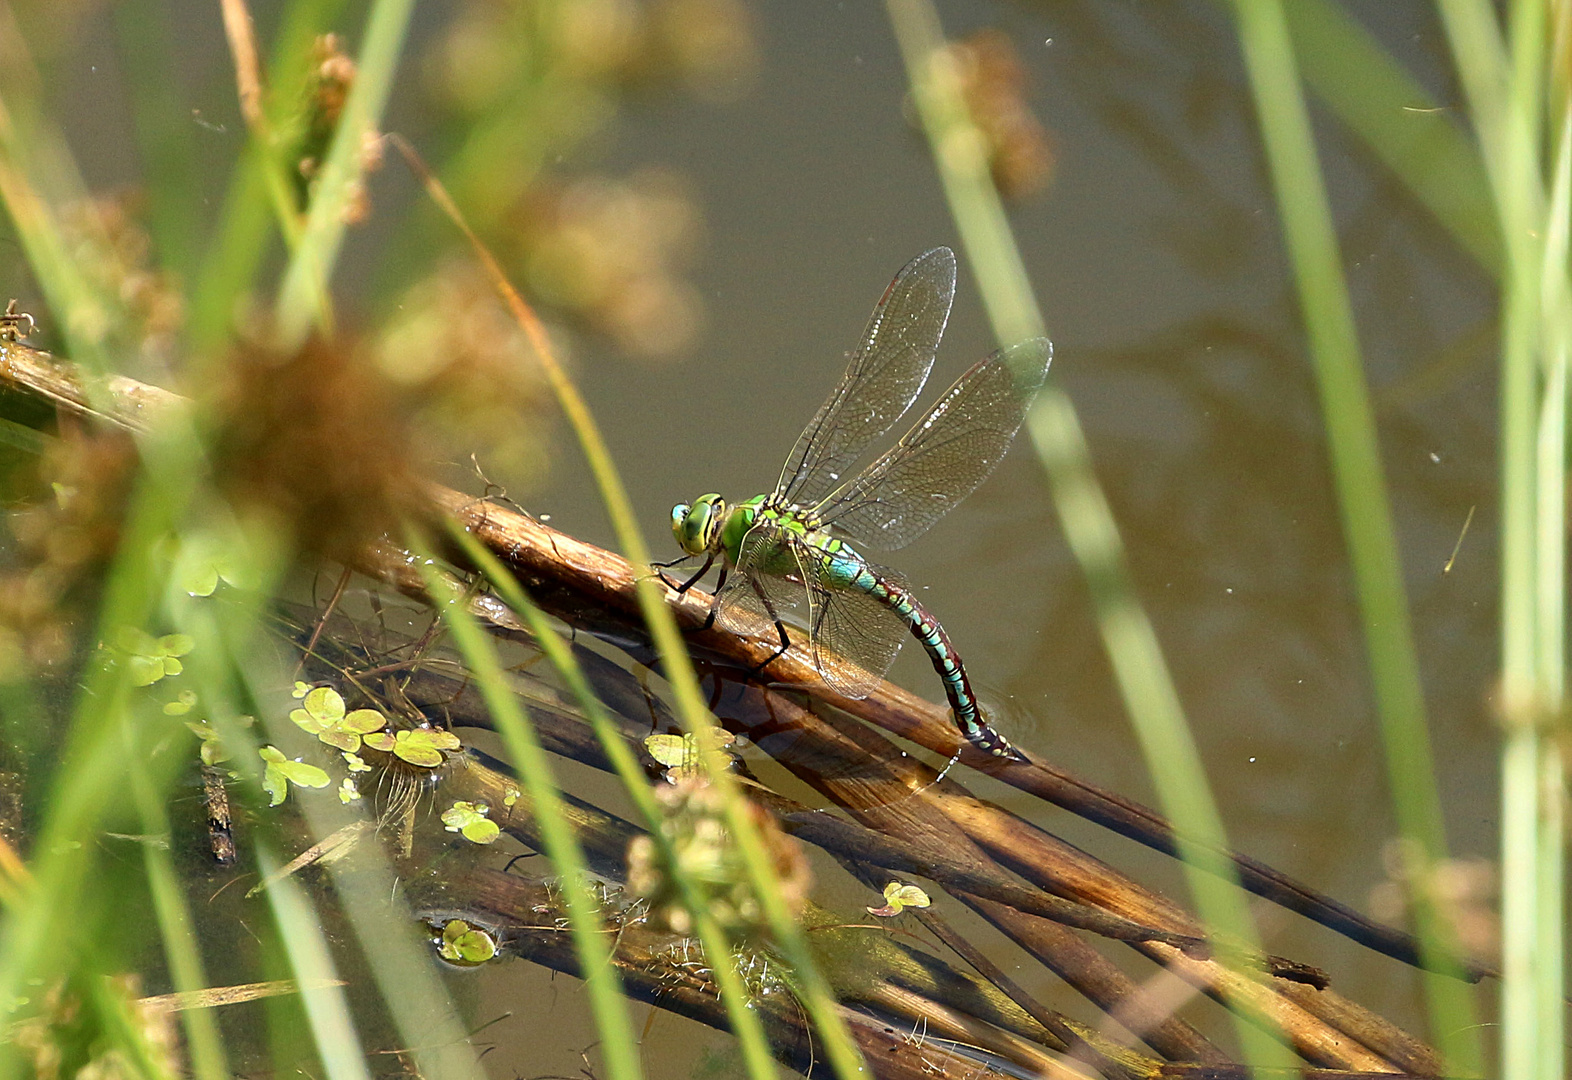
793	522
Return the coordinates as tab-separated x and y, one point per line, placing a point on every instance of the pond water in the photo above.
1155	253
1156	257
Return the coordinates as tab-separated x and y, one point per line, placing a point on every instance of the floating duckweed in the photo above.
347	791
281	772
419	746
322	714
510	797
151	659
204	560
464	945
182	704
355	762
680	753
898	897
213	749
470	821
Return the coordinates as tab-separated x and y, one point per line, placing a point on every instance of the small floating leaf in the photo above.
510	797
421	746
176	644
322	714
466	945
680	753
669	750
182	704
355	762
301	689
347	791
322	707
199	579
281	772
898	897
150	659
146	670
470	820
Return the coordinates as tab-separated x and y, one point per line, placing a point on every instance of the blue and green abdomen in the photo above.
834	564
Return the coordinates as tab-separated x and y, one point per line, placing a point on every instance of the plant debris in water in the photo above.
707	853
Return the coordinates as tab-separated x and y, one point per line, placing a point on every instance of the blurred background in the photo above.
706	198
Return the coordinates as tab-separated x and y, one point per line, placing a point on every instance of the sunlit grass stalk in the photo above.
86	790
90	773
676	664
1506	94
393	944
82	312
88	770
1144	681
1398	121
1327	311
175	926
325	1004
1551	552
302	298
717	950
590	942
258	190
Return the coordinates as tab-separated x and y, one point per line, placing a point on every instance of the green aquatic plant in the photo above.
322	714
680	753
417	746
469	820
183	703
899	897
465	945
151	659
282	771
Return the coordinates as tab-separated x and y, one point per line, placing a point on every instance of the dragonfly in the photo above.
792	551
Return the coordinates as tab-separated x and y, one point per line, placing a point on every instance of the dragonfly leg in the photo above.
709	560
780	629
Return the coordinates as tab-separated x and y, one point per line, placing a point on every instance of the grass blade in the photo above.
302	298
1361	488
562	846
1139	668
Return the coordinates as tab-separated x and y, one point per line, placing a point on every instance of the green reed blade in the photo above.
1506	90
1361	488
1144	681
302	298
562	847
745	1022
326	1007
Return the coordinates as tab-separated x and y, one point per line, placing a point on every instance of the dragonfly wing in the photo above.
945	455
855	637
886	374
758	585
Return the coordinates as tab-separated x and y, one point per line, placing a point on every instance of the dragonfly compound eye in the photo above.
679	524
697	526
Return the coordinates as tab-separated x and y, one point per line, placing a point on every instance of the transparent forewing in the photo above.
765	558
855	637
945	455
885	376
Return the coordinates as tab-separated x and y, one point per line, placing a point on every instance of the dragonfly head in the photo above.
697	527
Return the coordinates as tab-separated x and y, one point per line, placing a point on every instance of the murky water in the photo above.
1155	254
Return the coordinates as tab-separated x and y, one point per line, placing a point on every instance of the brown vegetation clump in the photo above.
316	439
62	535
